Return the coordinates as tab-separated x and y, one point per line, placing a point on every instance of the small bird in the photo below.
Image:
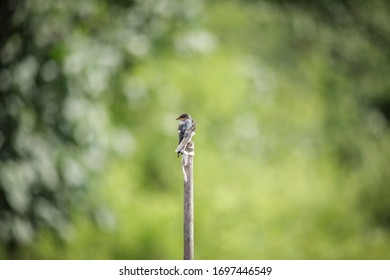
186	122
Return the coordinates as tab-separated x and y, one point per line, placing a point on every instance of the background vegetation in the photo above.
292	103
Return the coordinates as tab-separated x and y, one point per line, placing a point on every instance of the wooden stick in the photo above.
187	165
187	148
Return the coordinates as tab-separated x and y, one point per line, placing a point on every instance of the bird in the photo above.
186	122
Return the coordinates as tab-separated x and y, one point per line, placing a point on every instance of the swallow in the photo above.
186	122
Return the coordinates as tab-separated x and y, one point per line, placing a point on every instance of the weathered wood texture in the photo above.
187	165
187	149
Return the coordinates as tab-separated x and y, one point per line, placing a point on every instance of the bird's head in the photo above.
183	117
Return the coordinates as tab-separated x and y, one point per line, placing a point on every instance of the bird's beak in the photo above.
178	118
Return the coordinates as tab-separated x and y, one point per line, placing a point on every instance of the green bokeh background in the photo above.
292	148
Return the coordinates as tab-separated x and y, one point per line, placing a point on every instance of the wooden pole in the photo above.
187	165
187	149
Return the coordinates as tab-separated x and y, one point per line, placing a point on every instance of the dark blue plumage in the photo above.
186	122
183	126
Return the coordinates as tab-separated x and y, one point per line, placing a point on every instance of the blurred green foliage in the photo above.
292	105
58	62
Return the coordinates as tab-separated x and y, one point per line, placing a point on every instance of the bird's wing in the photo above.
182	129
184	126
